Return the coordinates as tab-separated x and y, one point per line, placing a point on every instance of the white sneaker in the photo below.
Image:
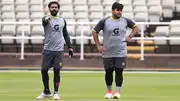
56	97
43	96
108	95
116	96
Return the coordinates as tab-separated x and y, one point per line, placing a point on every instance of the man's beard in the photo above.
54	13
116	16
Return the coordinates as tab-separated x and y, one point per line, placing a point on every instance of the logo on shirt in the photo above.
116	32
124	64
60	64
56	28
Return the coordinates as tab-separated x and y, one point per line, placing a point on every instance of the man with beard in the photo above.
55	36
114	49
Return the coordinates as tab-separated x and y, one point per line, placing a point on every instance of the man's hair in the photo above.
53	2
117	5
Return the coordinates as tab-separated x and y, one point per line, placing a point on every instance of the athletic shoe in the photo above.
108	95
117	95
56	97
43	96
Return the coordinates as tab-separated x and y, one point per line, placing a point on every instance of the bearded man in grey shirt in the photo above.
55	37
114	48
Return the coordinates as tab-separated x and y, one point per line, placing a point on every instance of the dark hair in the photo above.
53	2
117	5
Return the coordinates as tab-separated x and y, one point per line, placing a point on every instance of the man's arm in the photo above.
96	38
134	31
134	28
67	39
66	35
95	32
45	20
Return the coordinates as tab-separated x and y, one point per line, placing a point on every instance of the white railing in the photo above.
141	24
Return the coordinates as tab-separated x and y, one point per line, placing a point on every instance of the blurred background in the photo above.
156	47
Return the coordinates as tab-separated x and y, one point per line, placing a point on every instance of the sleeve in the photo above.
99	26
44	22
66	35
130	23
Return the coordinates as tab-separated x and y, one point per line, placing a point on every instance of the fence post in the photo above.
22	45
82	44
142	42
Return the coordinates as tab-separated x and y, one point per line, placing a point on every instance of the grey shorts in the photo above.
52	59
114	62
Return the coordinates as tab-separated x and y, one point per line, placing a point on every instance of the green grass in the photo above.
19	86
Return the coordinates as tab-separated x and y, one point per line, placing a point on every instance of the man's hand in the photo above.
101	48
70	50
128	38
48	18
133	33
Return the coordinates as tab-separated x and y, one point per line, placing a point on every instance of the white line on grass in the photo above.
89	72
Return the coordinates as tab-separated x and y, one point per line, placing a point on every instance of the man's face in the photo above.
54	9
117	13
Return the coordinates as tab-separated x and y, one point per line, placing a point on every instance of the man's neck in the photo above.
114	18
56	16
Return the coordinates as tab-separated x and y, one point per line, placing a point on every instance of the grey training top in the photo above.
114	35
55	34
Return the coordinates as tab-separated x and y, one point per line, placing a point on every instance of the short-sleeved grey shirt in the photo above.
114	35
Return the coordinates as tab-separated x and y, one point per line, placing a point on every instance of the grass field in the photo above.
25	86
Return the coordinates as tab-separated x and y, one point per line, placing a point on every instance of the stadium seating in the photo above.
174	32
85	11
161	31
